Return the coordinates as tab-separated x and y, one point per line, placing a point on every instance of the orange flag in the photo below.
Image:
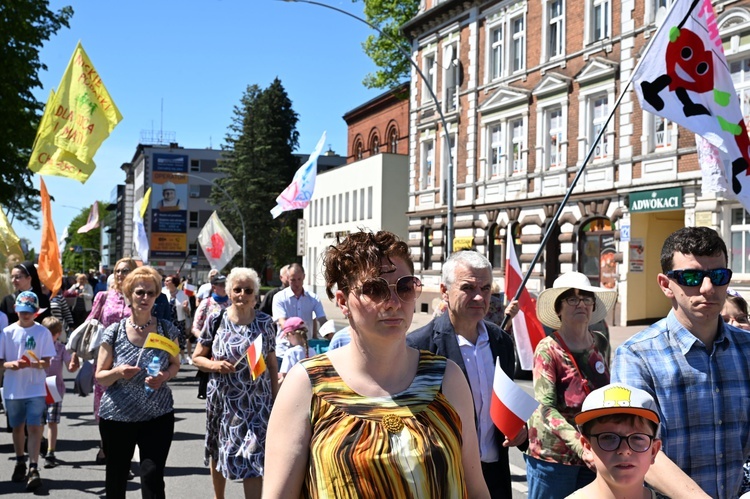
50	268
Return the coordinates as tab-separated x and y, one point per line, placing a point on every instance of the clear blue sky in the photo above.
199	56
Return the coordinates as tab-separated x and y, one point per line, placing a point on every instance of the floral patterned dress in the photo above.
237	407
560	387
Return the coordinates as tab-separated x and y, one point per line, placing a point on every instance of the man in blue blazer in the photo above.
462	335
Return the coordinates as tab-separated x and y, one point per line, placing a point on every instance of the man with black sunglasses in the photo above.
462	335
697	368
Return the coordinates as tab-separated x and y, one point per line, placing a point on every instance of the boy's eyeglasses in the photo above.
610	442
694	277
141	292
408	288
573	301
248	291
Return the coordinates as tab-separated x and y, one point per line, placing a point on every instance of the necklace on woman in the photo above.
138	328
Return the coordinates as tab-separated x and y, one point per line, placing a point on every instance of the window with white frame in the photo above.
555	29
601	19
496	52
430	73
554	137
428	164
518	139
740	70
598	111
495	153
662	137
518	49
451	77
739	260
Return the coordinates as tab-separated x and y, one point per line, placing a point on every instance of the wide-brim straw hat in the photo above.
545	305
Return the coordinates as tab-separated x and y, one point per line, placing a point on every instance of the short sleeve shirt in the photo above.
126	400
16	342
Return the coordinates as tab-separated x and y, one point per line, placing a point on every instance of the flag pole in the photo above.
565	199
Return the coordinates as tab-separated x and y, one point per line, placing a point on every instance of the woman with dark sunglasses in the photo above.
239	398
110	308
137	408
374	418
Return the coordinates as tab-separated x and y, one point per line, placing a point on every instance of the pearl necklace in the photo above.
138	328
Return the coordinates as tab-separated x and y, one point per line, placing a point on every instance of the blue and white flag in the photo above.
299	193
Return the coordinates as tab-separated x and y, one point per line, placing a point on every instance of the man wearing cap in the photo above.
294	301
462	335
204	291
25	351
697	368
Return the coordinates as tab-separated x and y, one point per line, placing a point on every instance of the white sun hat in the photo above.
545	305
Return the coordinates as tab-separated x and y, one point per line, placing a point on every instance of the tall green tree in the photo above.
388	16
259	162
24	27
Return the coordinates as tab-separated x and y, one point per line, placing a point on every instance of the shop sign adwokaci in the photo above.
659	200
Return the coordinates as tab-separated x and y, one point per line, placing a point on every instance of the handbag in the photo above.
86	339
84	383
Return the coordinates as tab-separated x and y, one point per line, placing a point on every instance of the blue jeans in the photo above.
553	480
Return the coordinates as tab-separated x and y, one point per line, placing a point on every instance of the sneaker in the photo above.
19	472
35	480
50	461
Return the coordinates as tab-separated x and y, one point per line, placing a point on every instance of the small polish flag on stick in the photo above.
511	407
255	358
52	394
189	289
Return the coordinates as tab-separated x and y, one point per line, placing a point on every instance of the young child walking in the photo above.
53	411
619	427
25	351
295	332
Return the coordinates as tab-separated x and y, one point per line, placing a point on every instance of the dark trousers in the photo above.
153	437
497	478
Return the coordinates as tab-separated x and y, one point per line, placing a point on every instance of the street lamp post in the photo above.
232	203
446	136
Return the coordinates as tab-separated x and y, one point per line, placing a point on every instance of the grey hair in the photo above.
241	274
470	259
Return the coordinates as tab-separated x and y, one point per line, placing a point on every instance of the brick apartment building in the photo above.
525	87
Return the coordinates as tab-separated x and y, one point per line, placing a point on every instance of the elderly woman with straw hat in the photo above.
568	365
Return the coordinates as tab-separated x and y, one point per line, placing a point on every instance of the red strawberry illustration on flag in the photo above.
217	243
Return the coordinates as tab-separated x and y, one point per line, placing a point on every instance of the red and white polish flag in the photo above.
52	394
510	407
527	329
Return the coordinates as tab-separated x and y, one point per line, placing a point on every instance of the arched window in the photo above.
358	149
375	146
393	140
496	248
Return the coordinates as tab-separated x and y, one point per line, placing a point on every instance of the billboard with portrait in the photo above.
169	198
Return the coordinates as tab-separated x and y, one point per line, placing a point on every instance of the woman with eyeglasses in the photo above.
568	365
238	402
374	418
136	408
110	308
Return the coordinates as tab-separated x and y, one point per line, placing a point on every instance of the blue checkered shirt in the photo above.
703	398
